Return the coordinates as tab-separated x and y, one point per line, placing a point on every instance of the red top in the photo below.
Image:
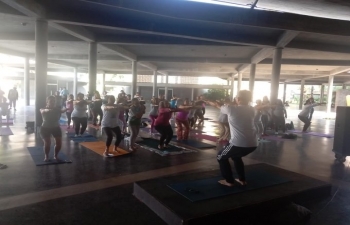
164	115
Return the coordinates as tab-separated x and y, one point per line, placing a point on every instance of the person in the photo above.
305	112
110	124
135	114
224	125
312	109
58	99
138	96
203	105
243	138
4	109
162	124
279	113
173	102
265	114
13	97
69	106
2	93
79	116
96	108
199	112
128	100
50	127
183	127
257	119
191	119
153	114
64	93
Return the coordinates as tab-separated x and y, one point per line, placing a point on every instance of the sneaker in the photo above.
75	135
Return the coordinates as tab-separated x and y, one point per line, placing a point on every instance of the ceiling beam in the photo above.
63	63
27	7
339	70
192	59
120	51
13	52
76	31
264	53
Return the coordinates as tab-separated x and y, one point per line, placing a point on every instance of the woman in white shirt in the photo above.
79	115
305	112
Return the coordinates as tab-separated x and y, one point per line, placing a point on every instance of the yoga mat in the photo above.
4	122
194	143
5	131
93	126
207	119
83	138
38	156
99	148
266	141
152	145
312	133
199	190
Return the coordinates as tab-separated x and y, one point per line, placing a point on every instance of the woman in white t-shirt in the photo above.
79	115
305	112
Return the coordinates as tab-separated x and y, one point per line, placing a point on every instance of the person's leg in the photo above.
179	130
169	135
69	118
186	126
57	134
118	134
203	110
264	120
283	124
237	155
100	113
10	101
153	119
109	134
222	131
94	116
76	122
133	135
83	122
47	145
225	167
306	122
276	123
14	104
227	132
162	133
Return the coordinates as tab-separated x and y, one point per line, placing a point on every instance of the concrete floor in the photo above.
95	190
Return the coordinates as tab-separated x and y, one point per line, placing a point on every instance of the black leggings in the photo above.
109	132
95	113
265	121
306	122
69	117
166	133
236	154
79	121
203	110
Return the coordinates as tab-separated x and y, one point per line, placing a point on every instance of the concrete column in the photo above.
232	87
75	82
134	79
41	51
192	94
239	81
322	93
276	70
92	66
155	75
284	92
344	86
252	77
26	82
166	86
330	93
301	102
103	81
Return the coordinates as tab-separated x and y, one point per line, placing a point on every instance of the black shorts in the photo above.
199	114
46	132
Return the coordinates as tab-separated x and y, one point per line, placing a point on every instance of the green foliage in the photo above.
215	94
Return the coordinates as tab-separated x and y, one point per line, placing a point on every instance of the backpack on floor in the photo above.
289	136
290	126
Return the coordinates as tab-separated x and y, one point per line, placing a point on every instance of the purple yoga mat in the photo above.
209	138
4	121
312	133
5	131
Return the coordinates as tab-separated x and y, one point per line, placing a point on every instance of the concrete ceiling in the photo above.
182	38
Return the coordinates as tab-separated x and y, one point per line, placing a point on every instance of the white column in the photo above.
232	87
239	81
103	81
322	93
344	86
301	102
134	79
329	94
155	75
166	86
92	67
41	51
192	94
75	82
284	92
26	82
252	77
276	70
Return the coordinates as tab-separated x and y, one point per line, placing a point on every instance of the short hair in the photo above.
245	95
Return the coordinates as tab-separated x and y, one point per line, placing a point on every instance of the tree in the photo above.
215	94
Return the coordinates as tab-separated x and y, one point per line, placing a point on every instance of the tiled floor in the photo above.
95	190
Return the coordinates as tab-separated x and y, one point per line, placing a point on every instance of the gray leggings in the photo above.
134	131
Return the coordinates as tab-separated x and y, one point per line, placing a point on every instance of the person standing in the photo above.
183	126
162	124
58	99
224	125
13	97
243	138
305	112
96	108
110	124
79	115
153	114
64	94
135	114
51	127
279	114
69	109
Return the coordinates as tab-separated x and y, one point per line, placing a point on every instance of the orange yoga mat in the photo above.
99	148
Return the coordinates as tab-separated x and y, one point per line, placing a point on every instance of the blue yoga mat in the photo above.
83	138
194	143
199	190
37	154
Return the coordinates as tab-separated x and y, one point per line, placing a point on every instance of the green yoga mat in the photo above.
152	145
